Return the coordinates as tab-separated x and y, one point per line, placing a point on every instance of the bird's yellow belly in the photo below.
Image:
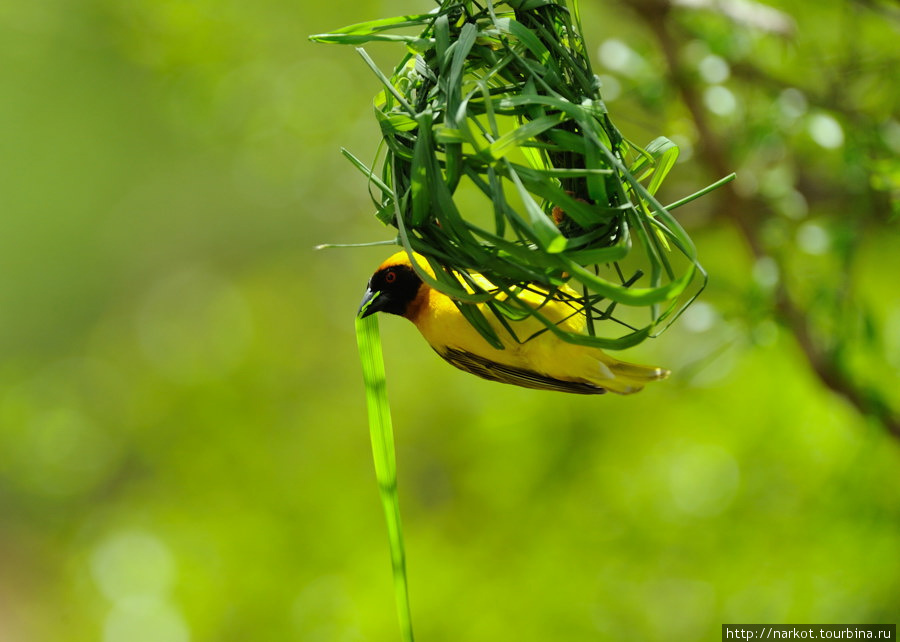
533	347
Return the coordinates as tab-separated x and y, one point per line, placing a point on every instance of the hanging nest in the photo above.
499	156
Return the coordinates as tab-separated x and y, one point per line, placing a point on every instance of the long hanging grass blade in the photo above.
381	432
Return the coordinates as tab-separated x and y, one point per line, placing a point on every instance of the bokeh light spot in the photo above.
618	56
700	317
719	100
714	69
890	133
793	204
766	273
145	620
826	131
812	238
131	564
792	104
610	87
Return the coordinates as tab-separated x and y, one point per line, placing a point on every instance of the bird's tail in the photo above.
622	377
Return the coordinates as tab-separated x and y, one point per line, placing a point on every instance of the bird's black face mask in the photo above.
391	289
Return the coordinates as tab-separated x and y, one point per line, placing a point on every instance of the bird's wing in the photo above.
488	369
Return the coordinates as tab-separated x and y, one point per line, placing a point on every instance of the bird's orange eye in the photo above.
390	277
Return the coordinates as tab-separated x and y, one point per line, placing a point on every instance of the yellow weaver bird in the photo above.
543	361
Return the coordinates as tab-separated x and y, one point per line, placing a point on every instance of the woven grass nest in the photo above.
499	156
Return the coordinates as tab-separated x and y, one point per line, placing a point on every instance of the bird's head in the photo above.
392	288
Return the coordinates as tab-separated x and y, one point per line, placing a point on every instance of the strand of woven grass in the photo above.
499	102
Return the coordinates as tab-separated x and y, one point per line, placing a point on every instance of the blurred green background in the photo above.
184	449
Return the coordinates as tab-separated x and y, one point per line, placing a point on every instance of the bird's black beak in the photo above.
372	302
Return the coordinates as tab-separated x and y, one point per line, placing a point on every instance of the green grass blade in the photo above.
706	190
367	172
381	432
665	152
546	233
386	82
374	26
361	39
512	140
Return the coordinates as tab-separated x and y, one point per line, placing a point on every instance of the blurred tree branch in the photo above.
825	354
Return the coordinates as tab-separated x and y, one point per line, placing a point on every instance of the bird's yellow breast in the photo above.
531	346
